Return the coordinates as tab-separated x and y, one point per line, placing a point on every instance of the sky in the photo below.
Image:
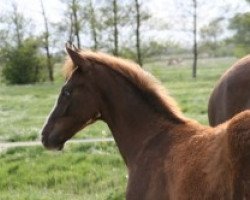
160	9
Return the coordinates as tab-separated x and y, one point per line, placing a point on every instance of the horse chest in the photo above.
148	180
147	183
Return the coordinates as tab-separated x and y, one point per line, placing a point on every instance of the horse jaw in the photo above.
52	136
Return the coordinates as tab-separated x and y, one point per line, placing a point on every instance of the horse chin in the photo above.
58	147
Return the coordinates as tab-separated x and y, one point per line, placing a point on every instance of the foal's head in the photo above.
90	78
76	107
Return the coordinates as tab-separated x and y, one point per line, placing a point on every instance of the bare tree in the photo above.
71	31
18	22
93	24
195	14
72	25
195	50
15	27
76	22
109	21
47	44
188	10
138	38
115	25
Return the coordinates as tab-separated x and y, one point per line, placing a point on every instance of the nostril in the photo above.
45	134
52	141
44	141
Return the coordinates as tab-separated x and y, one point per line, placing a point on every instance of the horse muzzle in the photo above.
51	140
52	144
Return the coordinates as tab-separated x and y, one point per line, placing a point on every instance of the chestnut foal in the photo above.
168	156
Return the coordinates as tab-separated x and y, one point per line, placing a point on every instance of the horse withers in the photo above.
168	156
231	95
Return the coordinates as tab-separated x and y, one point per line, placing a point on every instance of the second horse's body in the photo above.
231	95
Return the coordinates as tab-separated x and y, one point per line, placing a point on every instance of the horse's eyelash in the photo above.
66	92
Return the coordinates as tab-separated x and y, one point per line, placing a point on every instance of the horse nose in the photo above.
45	140
52	144
51	141
45	134
46	131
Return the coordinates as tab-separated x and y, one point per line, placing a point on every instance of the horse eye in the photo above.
66	93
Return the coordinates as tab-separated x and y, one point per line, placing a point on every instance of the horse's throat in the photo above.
132	128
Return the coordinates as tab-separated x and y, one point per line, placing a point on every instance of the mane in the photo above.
144	81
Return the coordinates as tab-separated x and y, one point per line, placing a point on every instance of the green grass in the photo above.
23	110
90	171
83	171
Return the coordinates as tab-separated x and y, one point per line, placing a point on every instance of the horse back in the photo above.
231	94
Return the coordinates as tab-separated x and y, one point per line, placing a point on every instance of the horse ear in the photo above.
76	57
73	53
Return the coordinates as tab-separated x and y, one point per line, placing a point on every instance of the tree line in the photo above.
114	26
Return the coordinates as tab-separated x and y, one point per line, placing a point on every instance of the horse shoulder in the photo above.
239	136
239	145
148	178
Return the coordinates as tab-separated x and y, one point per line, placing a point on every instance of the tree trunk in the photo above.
16	20
71	31
195	50
115	28
138	39
93	25
76	23
46	44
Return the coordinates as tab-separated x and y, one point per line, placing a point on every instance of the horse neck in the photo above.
131	119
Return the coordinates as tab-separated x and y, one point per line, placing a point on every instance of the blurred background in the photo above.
186	44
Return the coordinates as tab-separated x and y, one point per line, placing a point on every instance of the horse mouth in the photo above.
52	144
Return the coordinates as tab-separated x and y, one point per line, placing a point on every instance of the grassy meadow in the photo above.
83	171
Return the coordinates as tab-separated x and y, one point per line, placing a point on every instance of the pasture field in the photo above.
83	171
80	172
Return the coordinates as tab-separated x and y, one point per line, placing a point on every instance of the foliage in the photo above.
224	48
106	22
210	36
128	53
73	21
155	49
240	23
23	63
15	26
